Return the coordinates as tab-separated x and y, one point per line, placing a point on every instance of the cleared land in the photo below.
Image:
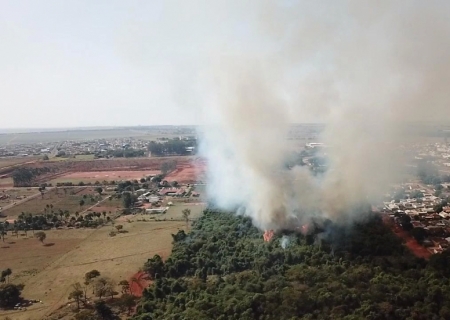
191	172
101	176
48	272
415	248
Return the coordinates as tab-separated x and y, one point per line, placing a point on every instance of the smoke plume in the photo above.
364	69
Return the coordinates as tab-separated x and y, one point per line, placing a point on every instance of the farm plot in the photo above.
175	211
53	201
70	257
9	196
100	176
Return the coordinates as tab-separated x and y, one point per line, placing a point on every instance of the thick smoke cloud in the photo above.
363	68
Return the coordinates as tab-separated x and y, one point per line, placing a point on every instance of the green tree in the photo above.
6	273
10	295
128	200
125	286
40	236
85	315
103	311
88	277
103	286
81	203
419	234
76	294
127	302
154	266
99	190
186	213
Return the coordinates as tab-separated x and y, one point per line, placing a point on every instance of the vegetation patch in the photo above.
223	269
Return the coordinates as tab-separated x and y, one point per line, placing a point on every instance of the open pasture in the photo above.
11	195
13	161
55	200
49	271
175	211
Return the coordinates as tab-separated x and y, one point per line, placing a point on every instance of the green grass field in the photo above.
175	211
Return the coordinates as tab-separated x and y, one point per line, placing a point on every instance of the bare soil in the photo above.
93	176
189	173
411	243
138	282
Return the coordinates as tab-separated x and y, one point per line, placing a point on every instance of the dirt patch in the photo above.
411	243
138	282
188	173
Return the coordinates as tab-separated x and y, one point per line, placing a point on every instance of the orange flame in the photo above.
305	228
268	235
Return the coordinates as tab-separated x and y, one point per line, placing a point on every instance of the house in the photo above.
157	210
172	192
141	191
153	199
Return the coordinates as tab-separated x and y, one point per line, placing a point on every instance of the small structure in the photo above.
157	210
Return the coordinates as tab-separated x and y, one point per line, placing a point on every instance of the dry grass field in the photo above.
12	161
49	271
15	194
61	200
6	182
175	211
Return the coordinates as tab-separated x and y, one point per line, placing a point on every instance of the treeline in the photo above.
224	270
10	294
102	287
171	147
26	222
25	177
125	153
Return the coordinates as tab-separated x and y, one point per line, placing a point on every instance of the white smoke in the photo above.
284	242
364	69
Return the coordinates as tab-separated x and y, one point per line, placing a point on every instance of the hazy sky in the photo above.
105	63
99	63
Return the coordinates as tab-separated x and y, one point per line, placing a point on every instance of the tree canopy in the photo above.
223	269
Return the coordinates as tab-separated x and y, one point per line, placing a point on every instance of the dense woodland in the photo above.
171	147
25	177
222	269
